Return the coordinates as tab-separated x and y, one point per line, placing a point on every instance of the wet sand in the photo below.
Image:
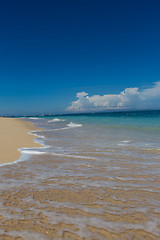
61	207
14	135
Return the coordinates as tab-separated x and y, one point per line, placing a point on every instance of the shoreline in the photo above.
15	134
76	190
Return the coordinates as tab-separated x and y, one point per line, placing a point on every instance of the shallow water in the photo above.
96	177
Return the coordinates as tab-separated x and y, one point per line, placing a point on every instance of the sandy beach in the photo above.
63	197
14	135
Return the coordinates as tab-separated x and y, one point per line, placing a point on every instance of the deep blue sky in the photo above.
50	50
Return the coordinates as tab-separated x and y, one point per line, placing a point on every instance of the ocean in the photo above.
96	176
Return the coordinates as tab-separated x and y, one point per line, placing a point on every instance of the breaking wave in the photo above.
56	120
73	125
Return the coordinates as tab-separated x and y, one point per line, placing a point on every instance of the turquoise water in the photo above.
141	127
146	120
102	135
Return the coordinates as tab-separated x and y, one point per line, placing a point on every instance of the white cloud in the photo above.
130	98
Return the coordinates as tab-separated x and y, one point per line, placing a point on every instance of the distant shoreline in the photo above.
14	135
125	111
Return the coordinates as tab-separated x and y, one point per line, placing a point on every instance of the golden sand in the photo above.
14	135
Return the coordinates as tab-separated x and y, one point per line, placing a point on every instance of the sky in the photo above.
60	56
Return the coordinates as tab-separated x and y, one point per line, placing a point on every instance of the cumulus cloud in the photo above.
130	98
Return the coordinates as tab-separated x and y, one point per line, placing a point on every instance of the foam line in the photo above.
56	120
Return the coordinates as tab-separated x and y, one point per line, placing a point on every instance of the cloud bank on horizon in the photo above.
130	98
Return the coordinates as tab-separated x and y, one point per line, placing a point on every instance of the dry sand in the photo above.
14	135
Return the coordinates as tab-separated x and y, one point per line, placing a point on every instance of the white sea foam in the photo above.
34	118
123	143
71	156
68	126
33	152
35	134
56	120
73	125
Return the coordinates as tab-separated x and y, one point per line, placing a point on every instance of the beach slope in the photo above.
14	135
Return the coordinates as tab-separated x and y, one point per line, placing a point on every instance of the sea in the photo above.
110	160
